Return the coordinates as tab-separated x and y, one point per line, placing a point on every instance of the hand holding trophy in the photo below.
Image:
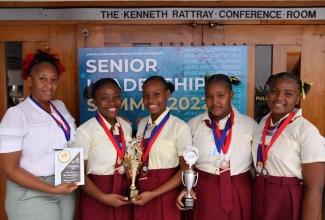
190	177
132	159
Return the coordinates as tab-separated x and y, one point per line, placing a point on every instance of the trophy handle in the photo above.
183	174
197	177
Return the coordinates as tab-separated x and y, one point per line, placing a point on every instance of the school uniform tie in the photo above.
224	184
225	191
259	202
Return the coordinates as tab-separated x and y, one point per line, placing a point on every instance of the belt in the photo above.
214	177
284	181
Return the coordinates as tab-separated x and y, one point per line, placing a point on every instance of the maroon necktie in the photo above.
225	185
259	195
225	191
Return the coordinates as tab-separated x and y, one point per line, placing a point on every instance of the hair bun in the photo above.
171	87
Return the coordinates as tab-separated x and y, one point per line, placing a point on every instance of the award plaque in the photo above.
69	166
190	177
132	159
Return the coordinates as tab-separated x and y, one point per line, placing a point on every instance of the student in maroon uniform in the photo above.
165	138
223	137
104	139
287	150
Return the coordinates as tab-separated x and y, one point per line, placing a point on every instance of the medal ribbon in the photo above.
220	144
275	136
120	149
63	125
155	133
259	149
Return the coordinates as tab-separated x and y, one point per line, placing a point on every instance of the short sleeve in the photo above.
12	131
83	140
312	145
184	138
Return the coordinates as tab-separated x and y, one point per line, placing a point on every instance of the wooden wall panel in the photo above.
191	36
313	70
285	58
24	33
3	80
164	35
95	37
294	59
3	104
279	59
257	34
251	81
63	43
213	35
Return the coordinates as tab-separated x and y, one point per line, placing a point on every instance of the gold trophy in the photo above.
132	159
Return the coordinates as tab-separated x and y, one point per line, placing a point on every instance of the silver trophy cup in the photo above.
190	177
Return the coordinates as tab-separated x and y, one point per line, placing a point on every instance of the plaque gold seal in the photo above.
64	156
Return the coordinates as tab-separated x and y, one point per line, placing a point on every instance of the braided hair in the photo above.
229	81
303	87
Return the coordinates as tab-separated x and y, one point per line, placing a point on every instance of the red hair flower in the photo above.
32	59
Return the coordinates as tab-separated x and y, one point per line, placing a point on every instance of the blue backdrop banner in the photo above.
185	67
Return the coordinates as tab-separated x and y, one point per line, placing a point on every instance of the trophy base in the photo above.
130	193
188	203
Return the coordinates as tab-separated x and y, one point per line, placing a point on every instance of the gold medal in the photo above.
224	165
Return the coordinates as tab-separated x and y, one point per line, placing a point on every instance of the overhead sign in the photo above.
21	14
185	14
185	67
315	13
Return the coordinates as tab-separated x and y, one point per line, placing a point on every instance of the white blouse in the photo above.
28	128
299	143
